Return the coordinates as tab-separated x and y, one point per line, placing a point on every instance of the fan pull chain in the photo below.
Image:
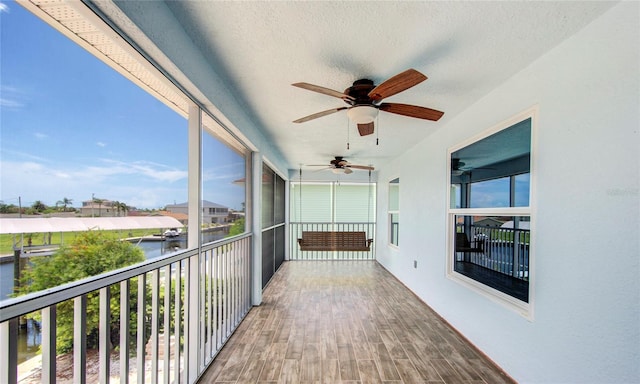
300	193
377	130
369	201
347	134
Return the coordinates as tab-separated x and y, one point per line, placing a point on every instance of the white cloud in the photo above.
7	153
12	104
4	8
155	171
30	167
40	136
101	144
223	172
38	180
13	98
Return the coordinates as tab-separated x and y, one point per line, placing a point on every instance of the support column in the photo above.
287	227
256	228
192	291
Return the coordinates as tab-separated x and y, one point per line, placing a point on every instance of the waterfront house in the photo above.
557	82
100	208
212	213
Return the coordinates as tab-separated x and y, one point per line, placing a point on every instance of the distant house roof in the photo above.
521	224
175	215
488	222
205	204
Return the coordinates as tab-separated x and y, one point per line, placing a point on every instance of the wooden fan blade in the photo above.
365	129
319	114
412	111
368	168
397	84
323	90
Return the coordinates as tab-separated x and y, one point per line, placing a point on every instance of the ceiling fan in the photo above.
458	167
365	99
340	165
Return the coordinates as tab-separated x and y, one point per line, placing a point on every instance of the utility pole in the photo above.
17	253
92	202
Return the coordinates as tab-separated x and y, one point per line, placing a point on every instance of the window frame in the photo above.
391	212
332	203
525	309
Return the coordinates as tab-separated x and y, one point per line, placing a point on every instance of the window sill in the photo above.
522	308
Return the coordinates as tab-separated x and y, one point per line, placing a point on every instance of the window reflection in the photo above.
394	214
223	183
493	172
492	246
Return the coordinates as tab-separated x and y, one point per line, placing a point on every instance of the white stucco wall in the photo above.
586	323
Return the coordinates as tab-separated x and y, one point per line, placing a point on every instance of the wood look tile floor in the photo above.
345	322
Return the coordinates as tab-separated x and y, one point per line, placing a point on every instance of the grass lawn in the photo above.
7	241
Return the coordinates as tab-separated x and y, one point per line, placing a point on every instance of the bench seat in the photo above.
463	244
334	241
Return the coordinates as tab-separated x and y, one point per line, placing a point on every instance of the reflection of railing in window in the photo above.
504	250
395	229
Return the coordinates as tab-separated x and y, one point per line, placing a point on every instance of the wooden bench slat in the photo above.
334	241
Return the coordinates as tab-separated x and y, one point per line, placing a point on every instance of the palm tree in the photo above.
120	207
64	202
116	205
38	206
124	207
99	202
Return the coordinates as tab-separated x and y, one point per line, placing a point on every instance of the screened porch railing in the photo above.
176	313
296	229
505	250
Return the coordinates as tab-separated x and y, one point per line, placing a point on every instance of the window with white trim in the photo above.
394	211
489	213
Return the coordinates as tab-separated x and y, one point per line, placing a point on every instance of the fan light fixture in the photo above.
362	114
345	171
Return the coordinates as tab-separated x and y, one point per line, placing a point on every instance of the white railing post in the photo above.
80	339
155	310
9	351
167	326
104	334
192	319
178	321
140	350
49	344
124	332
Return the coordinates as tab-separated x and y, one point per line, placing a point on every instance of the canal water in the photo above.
29	337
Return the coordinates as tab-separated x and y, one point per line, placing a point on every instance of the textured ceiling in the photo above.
465	48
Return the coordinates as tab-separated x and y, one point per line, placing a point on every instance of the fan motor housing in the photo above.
360	92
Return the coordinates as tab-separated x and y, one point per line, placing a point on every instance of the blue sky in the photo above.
70	126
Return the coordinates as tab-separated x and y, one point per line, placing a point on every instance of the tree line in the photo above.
63	205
